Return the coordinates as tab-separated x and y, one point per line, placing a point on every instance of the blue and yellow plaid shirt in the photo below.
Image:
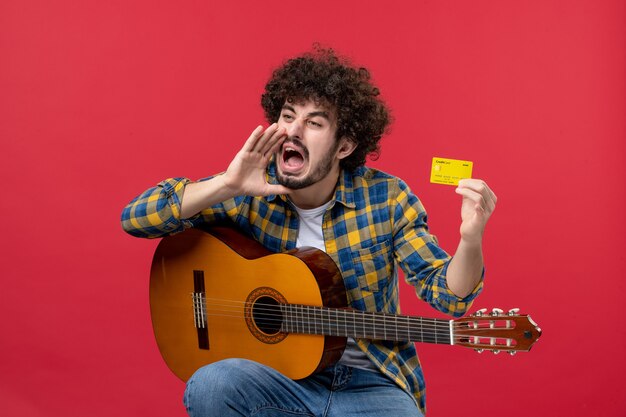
373	224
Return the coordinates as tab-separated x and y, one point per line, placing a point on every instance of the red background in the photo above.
100	100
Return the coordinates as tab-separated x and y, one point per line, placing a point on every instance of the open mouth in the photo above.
293	158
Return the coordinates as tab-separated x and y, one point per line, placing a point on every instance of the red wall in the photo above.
101	99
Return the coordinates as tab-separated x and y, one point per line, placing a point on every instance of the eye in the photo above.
286	116
314	123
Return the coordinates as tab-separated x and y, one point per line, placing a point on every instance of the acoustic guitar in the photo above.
219	294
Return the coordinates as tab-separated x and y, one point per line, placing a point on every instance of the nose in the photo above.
294	129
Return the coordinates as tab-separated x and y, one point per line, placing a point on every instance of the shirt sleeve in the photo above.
418	254
156	212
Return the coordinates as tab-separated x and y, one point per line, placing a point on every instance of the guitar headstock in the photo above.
496	331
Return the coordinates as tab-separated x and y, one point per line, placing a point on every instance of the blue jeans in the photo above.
238	387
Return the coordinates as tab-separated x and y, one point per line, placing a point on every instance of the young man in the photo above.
302	182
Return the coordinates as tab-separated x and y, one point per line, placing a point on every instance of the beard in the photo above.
320	172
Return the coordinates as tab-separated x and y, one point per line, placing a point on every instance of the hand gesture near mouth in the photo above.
246	173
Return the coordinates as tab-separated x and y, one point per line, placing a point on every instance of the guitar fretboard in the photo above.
304	319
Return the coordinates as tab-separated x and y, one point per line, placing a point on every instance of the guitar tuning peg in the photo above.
513	311
512	352
497	312
495	352
480	312
479	350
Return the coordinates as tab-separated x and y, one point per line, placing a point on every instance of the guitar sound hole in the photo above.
267	315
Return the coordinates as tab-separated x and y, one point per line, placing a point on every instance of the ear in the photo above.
346	147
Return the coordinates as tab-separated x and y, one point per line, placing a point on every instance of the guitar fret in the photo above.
373	324
292	320
340	319
312	321
306	318
382	318
396	317
320	321
329	321
408	329
362	325
298	320
329	314
319	324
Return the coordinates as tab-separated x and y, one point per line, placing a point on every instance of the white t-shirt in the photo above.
310	233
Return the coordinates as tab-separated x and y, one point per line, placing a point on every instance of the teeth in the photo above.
288	149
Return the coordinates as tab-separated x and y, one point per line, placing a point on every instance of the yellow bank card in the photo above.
450	171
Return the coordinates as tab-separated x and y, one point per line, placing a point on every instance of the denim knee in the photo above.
236	387
224	374
211	385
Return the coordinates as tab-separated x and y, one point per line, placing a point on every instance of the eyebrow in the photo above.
320	113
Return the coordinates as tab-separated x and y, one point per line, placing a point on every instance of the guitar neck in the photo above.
326	321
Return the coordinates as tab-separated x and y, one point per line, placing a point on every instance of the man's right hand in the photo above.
245	174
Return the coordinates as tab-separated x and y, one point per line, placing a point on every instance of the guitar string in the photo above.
354	318
404	324
272	307
374	315
429	327
347	330
337	323
297	309
499	341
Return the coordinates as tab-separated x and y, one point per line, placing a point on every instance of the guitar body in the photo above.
227	273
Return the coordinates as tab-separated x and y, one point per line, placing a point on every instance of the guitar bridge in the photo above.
199	309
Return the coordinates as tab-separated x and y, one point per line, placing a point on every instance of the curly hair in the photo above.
322	76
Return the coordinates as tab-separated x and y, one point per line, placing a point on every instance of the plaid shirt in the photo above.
373	224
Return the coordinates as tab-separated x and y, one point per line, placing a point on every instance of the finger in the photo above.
261	143
474	184
470	194
257	139
474	196
480	187
252	139
491	199
273	142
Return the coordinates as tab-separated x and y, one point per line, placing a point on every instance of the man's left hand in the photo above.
478	204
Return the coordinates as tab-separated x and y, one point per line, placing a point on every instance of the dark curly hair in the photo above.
324	77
